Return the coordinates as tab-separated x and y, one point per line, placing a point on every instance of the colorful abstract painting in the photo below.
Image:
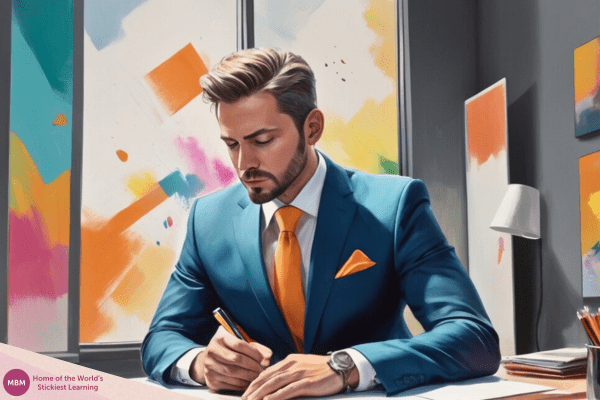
41	105
490	252
150	146
355	67
587	85
589	189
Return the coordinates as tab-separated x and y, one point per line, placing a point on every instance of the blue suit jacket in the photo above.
387	217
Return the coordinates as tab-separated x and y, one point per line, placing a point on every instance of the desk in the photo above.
574	387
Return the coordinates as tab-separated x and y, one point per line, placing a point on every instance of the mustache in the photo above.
257	173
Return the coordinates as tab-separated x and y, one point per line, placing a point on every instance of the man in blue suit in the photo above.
366	246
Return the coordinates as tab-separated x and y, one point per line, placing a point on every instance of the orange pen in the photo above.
227	323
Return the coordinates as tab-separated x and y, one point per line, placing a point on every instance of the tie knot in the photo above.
287	218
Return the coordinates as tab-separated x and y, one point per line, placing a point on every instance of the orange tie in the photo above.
287	287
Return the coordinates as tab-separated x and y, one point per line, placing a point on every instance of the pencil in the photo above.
588	325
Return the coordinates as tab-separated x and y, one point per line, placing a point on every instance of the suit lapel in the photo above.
248	238
336	212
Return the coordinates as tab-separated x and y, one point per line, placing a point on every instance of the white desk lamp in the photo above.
519	212
519	215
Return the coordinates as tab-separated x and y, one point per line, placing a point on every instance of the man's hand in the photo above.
229	363
299	375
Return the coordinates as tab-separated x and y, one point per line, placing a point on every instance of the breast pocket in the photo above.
353	281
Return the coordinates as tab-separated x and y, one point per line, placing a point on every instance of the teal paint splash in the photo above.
47	27
387	166
103	19
34	102
186	187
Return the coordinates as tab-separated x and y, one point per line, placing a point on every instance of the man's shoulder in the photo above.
361	180
221	199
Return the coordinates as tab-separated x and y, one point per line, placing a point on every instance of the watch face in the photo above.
343	360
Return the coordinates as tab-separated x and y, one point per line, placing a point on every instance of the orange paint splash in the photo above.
589	185
586	68
486	125
123	156
104	257
176	81
130	215
121	267
60	120
500	249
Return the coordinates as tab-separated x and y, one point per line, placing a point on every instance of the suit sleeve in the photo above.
459	341
183	319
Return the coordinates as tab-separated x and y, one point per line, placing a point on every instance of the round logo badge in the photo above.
16	382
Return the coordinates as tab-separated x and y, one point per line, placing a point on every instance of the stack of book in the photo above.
567	363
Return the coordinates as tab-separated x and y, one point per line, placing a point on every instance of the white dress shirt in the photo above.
308	201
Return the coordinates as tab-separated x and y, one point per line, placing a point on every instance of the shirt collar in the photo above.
309	197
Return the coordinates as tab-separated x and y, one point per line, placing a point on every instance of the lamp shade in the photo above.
519	212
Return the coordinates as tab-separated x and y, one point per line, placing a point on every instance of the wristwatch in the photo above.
342	363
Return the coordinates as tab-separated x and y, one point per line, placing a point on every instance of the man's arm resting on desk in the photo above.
181	371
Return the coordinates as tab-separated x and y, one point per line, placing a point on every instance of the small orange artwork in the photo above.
60	120
176	81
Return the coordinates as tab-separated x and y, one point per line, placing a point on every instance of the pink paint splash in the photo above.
35	269
215	174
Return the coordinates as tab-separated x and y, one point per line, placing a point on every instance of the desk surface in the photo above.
575	388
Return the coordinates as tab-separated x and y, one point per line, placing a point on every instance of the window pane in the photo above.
150	145
41	106
351	46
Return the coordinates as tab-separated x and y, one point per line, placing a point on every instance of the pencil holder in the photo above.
592	377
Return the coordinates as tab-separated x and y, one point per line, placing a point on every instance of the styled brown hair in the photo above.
284	75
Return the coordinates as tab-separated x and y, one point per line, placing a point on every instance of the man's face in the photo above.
264	145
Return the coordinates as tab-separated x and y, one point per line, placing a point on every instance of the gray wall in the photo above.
458	48
442	51
531	43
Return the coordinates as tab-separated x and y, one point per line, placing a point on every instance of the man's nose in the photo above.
246	159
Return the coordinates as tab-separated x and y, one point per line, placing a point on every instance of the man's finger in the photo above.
224	355
273	383
266	353
255	351
236	371
227	383
293	390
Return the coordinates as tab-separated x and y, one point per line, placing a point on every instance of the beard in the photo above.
293	170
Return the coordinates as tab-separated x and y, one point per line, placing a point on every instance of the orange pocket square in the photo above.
357	262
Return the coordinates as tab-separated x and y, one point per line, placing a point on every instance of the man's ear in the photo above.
313	126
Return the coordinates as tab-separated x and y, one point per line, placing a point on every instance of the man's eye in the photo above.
262	142
231	145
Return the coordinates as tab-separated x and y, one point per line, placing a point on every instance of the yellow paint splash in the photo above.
381	18
369	134
141	183
29	192
138	293
594	204
373	131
